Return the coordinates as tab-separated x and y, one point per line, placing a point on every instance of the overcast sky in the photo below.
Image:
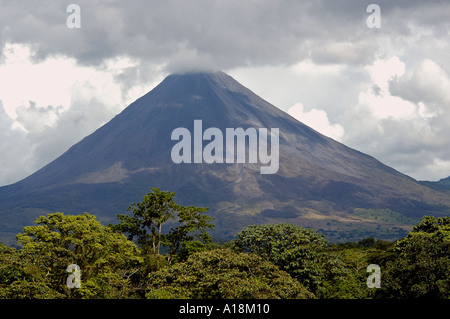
384	91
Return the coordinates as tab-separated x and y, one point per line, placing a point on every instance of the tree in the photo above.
344	270
190	234
157	208
20	279
107	259
421	266
338	280
292	248
224	274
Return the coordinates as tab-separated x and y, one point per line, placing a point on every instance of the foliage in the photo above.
157	208
421	268
336	271
292	248
224	274
17	280
344	273
145	225
339	279
190	234
107	259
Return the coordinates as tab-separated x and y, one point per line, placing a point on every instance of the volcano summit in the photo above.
319	182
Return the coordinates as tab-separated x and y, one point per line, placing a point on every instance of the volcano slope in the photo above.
319	183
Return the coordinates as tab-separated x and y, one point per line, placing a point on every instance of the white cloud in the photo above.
58	80
318	120
383	71
23	81
402	117
377	98
386	105
424	111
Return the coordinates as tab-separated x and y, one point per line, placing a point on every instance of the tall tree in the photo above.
157	208
190	234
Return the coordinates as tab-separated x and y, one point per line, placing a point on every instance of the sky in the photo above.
375	80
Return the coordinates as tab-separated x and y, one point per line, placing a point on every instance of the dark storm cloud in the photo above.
226	34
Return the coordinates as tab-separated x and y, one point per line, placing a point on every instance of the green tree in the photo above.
224	274
20	279
338	280
292	248
421	266
190	233
106	258
158	207
344	272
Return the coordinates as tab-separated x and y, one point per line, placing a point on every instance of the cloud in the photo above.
227	34
426	82
345	52
402	117
15	149
378	99
175	36
36	119
318	120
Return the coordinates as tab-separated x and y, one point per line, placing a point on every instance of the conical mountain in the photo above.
319	182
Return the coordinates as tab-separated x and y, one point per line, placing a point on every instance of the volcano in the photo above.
318	182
